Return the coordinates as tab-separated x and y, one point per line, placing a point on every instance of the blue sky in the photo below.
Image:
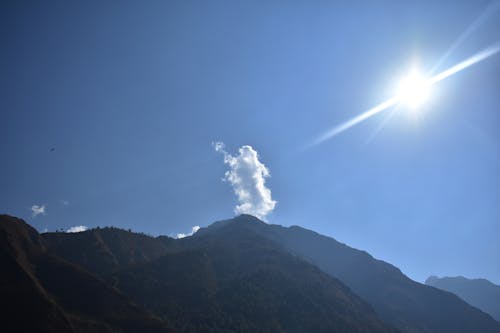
132	95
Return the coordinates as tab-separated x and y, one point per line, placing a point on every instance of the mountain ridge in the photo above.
383	285
234	284
242	274
245	270
481	293
57	295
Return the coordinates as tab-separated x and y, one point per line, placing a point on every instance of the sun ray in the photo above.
478	57
486	53
356	120
382	124
484	16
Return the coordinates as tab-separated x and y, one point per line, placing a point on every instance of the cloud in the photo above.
64	202
78	228
247	175
37	210
193	231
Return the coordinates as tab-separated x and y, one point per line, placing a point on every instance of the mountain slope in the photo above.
19	288
406	304
480	293
220	279
43	293
105	250
237	281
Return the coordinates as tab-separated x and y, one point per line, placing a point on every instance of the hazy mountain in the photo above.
40	292
481	293
400	301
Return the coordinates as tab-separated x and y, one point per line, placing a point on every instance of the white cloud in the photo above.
193	231
37	210
78	228
247	175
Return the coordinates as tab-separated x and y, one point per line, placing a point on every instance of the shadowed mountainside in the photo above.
480	293
229	283
243	275
105	250
43	293
238	281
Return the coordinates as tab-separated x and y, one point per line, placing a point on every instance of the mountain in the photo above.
105	250
480	293
237	275
231	281
41	292
410	306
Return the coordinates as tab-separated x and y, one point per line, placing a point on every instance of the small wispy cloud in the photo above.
37	210
64	202
247	175
78	228
193	231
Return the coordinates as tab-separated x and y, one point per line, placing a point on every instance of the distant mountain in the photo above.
410	306
40	292
480	293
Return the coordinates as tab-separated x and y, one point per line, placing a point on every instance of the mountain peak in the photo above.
246	218
239	221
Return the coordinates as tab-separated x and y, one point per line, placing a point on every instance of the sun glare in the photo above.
413	90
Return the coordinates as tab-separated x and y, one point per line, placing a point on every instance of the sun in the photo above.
413	90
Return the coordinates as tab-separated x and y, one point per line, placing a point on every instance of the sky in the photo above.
114	113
